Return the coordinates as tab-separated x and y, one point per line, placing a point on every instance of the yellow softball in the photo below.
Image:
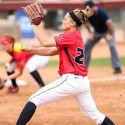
18	46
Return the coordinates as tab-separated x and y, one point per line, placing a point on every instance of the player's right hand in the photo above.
91	36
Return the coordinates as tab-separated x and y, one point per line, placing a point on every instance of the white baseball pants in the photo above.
33	63
70	85
36	62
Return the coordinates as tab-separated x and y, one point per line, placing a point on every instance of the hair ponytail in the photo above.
83	15
87	12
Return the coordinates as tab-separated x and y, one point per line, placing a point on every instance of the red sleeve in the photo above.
21	63
22	58
64	40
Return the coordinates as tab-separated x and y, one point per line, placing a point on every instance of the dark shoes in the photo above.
117	71
12	89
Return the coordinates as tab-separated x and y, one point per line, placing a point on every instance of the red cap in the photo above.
6	40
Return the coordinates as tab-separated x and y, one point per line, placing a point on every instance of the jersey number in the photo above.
81	57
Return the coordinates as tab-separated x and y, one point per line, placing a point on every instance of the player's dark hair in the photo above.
89	3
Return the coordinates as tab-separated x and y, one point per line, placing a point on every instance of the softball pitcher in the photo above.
19	61
74	81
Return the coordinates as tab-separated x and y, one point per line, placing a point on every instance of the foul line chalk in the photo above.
107	79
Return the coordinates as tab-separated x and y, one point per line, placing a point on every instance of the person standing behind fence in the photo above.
103	28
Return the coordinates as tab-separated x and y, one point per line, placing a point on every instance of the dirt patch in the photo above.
109	97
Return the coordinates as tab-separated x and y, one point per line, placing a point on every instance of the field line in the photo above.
104	79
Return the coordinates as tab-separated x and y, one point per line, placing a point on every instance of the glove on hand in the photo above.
2	83
34	12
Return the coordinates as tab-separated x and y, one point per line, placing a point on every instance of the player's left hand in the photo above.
26	48
34	12
2	82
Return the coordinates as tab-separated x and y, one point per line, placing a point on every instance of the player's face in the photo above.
66	23
8	47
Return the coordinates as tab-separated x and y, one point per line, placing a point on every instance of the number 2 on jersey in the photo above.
80	58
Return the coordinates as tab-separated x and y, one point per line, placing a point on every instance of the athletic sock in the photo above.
107	121
12	80
37	77
26	113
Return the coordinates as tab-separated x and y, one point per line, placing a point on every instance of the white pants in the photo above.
36	62
70	85
33	63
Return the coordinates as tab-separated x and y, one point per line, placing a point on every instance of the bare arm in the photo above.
42	38
44	51
91	35
87	25
110	26
11	60
18	72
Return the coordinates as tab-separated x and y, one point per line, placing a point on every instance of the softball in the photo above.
17	47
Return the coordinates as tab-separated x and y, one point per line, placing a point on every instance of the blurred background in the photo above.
13	21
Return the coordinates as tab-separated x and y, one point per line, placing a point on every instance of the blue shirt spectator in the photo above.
103	28
99	19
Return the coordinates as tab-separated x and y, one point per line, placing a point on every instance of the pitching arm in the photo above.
44	51
42	37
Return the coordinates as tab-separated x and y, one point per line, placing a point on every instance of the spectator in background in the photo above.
103	28
19	61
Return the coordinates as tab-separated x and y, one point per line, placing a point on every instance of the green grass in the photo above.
94	62
2	64
105	62
53	63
